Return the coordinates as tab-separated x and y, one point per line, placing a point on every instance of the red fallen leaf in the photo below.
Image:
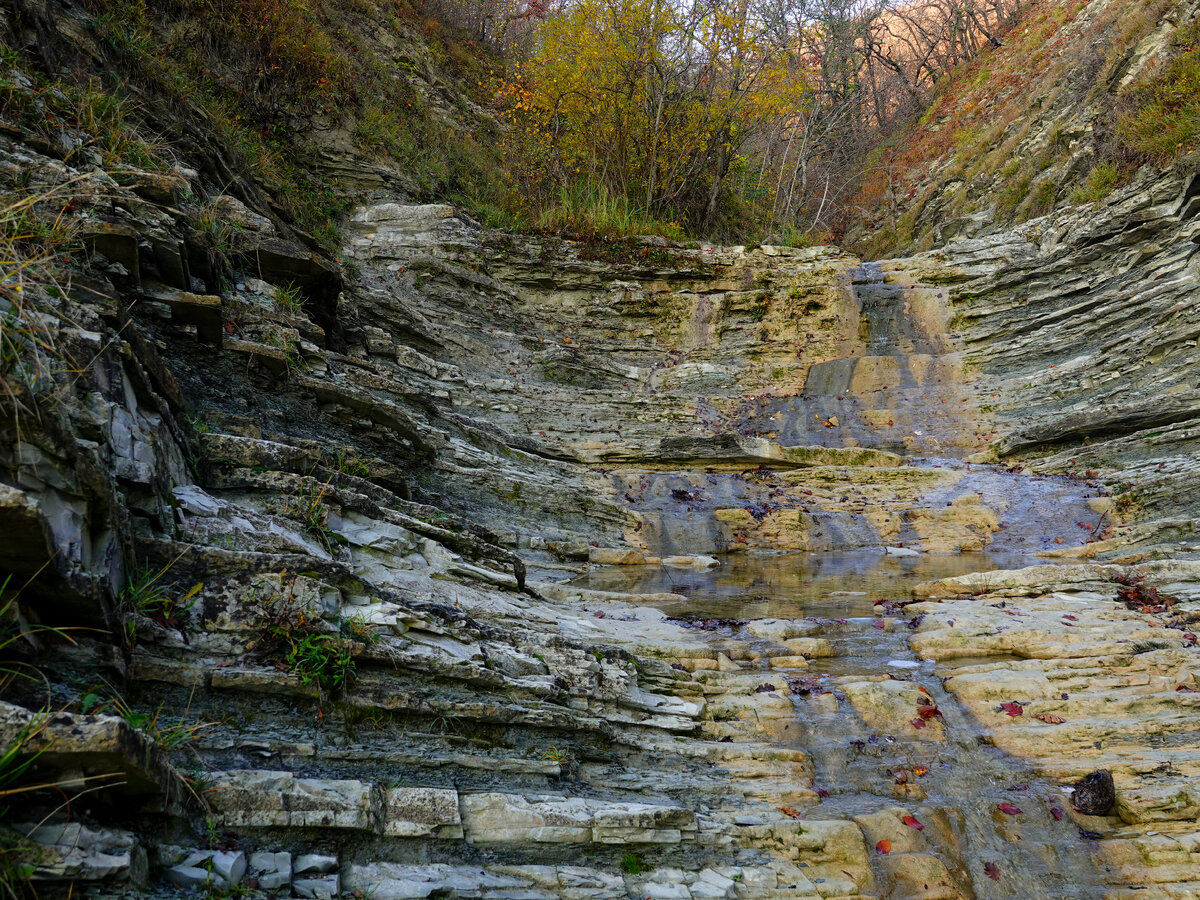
913	822
1009	809
1189	637
1050	719
929	712
920	771
1057	813
878	623
1183	688
883	846
789	812
1013	709
821	792
992	871
1071	617
918	723
921	688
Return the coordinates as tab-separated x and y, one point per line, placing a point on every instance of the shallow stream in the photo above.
965	778
856	594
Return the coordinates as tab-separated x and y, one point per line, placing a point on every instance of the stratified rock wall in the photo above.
1084	328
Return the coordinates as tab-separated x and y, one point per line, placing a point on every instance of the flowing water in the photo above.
904	392
1035	855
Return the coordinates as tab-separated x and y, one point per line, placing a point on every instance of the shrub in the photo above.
1099	184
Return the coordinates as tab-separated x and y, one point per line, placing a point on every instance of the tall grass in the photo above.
1162	117
34	233
593	210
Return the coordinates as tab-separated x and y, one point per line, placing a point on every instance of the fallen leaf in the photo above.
913	822
929	712
921	688
918	723
821	792
1057	813
992	871
920	771
884	846
1050	719
789	812
1009	809
1013	709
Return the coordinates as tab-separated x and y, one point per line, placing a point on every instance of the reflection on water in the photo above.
829	585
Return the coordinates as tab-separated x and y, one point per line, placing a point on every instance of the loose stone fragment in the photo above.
1094	794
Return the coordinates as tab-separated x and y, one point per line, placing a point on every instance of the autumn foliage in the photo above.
726	119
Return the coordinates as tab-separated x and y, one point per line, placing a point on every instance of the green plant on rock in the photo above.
1099	184
1162	114
359	629
146	593
167	731
321	659
307	506
36	234
215	235
344	461
293	636
633	864
289	298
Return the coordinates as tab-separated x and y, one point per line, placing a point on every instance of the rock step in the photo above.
269	799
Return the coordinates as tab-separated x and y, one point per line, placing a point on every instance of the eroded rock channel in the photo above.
531	568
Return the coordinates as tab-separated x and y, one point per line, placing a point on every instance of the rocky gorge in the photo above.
482	564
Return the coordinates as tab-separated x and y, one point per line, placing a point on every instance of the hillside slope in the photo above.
1051	119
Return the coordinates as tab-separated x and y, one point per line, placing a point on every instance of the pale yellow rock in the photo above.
725	664
614	556
735	516
890	706
952	529
887	825
812	648
920	876
789	662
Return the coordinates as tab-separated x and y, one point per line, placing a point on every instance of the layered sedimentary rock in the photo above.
315	522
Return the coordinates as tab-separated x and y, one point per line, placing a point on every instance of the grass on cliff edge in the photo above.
282	84
1161	116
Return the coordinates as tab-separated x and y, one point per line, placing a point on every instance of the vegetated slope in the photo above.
1081	97
292	107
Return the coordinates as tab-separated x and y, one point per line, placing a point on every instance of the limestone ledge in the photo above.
1095	685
